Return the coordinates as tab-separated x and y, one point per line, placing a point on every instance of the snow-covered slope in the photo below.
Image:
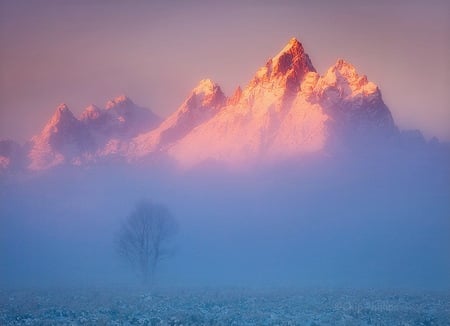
203	103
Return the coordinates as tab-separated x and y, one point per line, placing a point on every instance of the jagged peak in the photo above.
349	72
293	46
207	94
234	99
92	107
62	115
344	67
91	112
121	100
62	111
287	68
62	108
344	75
292	56
293	40
206	86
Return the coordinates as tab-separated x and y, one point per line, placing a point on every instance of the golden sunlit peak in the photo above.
205	86
293	43
341	63
293	46
207	82
293	40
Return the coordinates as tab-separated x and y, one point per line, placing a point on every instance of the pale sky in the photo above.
88	51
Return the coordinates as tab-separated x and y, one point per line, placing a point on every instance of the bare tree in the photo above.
144	235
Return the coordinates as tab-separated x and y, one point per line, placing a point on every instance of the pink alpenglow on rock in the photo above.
286	110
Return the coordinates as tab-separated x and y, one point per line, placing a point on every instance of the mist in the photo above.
371	219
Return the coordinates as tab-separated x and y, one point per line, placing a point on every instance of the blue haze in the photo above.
378	219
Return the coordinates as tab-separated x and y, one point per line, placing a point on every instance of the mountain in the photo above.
121	118
286	110
354	104
68	140
202	104
63	138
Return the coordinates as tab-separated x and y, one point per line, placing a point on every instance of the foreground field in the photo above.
223	307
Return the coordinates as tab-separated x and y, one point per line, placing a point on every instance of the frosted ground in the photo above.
223	307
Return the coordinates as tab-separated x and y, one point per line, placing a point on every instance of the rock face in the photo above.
286	110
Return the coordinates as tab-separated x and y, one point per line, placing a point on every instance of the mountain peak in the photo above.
292	56
121	100
344	67
62	112
206	94
345	76
91	112
62	108
293	40
293	46
285	70
205	86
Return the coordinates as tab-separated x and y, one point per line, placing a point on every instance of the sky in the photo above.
82	52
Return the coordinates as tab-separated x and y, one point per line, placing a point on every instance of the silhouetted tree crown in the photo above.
144	237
